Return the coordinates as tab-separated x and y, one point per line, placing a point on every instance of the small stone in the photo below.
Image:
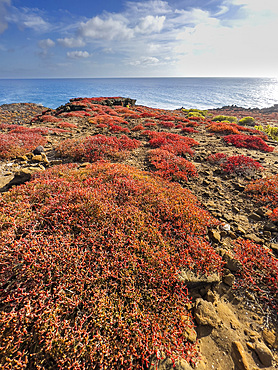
214	235
240	230
270	338
238	187
4	181
254	238
231	263
274	247
232	235
226	227
210	297
255	217
270	226
229	279
239	356
264	354
37	158
22	158
205	313
39	149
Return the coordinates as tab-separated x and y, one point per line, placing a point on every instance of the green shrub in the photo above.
269	130
224	118
195	112
247	121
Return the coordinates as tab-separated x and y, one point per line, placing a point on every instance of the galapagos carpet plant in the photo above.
89	269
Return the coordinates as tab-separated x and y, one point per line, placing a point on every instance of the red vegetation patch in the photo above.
241	164
258	272
223	128
25	130
14	144
174	143
117	128
97	147
89	264
217	158
172	167
265	191
79	114
66	125
249	142
188	130
138	128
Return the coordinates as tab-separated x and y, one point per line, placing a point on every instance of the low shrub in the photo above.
269	130
14	144
265	192
194	112
97	147
66	125
247	121
258	272
224	118
188	130
89	265
223	128
249	142
217	158
241	165
171	167
177	144
138	128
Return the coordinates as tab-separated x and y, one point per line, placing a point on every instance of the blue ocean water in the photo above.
167	93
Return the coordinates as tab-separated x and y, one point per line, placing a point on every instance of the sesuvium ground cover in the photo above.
91	254
90	261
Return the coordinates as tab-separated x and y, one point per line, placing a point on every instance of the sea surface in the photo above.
167	93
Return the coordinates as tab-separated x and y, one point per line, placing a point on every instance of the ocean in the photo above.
166	93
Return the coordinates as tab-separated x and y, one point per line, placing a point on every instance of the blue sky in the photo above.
152	38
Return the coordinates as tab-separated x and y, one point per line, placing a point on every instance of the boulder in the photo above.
264	354
39	149
205	313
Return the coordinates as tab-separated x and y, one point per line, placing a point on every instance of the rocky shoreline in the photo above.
232	329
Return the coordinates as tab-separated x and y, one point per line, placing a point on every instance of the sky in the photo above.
148	38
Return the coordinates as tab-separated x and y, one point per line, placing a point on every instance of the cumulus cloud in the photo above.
78	54
71	42
28	18
46	44
150	24
3	12
110	28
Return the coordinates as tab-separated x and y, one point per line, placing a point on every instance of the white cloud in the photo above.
110	28
150	24
71	42
45	44
3	12
28	18
223	10
193	17
154	7
257	5
145	61
78	54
